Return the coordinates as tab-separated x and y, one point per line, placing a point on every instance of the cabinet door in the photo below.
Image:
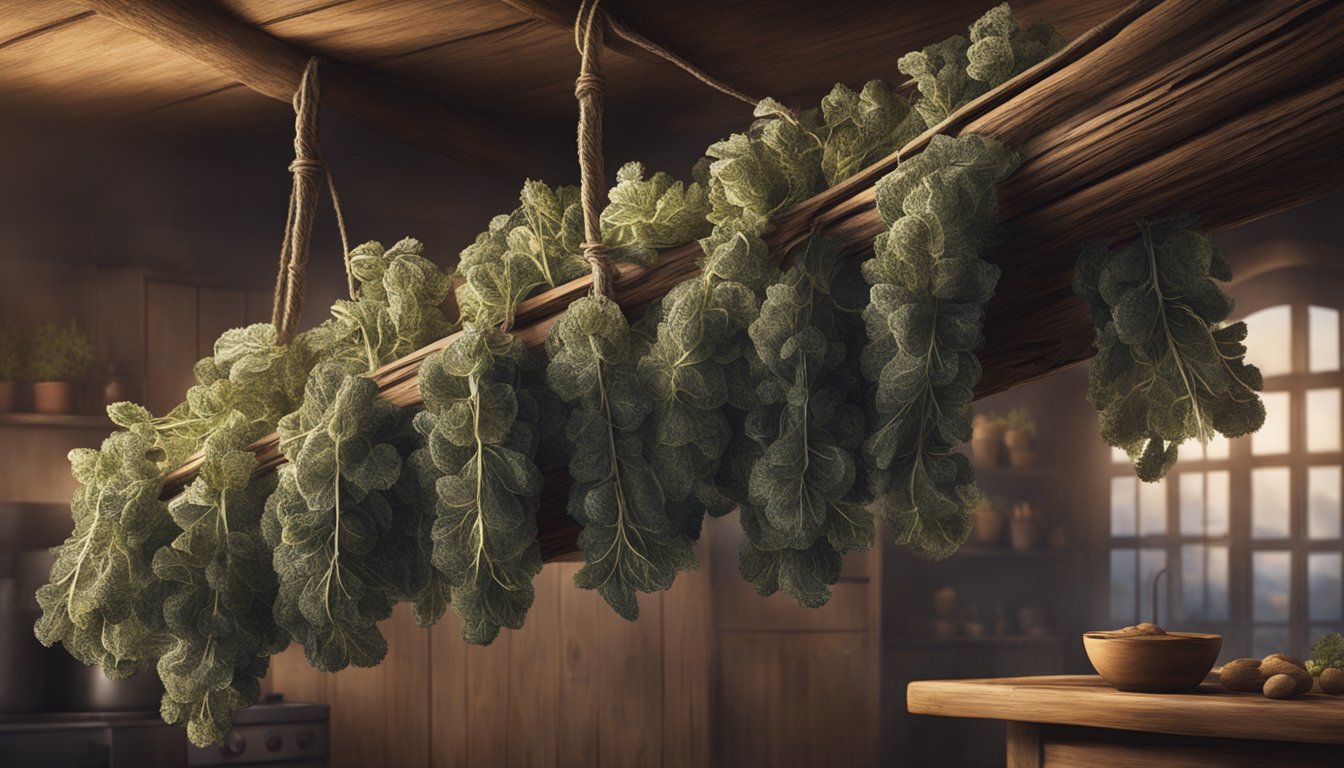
218	310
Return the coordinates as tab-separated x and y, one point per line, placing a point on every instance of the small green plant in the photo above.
1326	652
10	360
58	353
1020	420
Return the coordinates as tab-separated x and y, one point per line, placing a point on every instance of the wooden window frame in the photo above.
1299	287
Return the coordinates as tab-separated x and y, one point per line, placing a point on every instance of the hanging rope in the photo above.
629	35
588	92
292	280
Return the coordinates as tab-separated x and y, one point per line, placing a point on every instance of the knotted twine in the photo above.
291	282
588	91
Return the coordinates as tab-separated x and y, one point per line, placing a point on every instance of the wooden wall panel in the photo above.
795	699
449	707
689	668
259	305
379	716
217	310
534	660
170	343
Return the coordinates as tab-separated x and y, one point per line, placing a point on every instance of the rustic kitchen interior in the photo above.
150	151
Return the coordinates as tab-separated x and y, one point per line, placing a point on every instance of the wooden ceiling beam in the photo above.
621	38
562	13
209	34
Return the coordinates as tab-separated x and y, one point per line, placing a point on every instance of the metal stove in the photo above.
275	733
286	733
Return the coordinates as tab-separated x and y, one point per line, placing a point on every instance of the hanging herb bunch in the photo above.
803	388
1168	368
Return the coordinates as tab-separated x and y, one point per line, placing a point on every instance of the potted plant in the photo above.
987	440
1020	429
986	524
1025	527
10	365
57	356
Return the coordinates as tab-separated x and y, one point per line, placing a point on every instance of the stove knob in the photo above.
304	739
233	745
274	741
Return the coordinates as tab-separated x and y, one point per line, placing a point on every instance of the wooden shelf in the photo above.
1008	473
1009	553
68	421
987	640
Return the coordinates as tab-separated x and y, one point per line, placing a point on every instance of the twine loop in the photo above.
588	90
589	85
291	281
603	270
307	165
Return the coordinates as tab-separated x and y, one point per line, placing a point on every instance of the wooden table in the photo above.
1065	721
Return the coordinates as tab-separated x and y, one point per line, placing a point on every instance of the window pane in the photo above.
1204	583
1217	448
1267	640
1123	564
1193	568
1152	508
1273	436
1215	503
1323	420
1192	503
1124	518
1269	503
1323	588
1323	485
1323	339
1191	450
1152	560
1216	573
1271	589
1269	340
1118	456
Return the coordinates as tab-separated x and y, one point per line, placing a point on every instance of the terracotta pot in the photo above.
8	392
1025	533
986	527
53	398
944	602
1017	440
986	453
1021	458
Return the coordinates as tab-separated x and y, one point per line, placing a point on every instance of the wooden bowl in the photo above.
1170	663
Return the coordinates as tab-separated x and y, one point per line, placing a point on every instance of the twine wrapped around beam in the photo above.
291	282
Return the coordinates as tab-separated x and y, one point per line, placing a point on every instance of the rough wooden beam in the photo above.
562	13
1233	110
208	33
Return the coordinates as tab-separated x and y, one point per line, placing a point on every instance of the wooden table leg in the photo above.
1024	745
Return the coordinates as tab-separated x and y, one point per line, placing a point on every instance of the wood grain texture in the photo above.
170	342
272	67
1066	747
690	665
1024	745
1086	700
1254	145
380	715
774	689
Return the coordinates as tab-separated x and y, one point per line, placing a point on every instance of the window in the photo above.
1248	530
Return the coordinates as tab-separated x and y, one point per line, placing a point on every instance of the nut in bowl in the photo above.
1147	659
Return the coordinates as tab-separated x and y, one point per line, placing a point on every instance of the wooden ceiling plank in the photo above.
50	26
209	34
